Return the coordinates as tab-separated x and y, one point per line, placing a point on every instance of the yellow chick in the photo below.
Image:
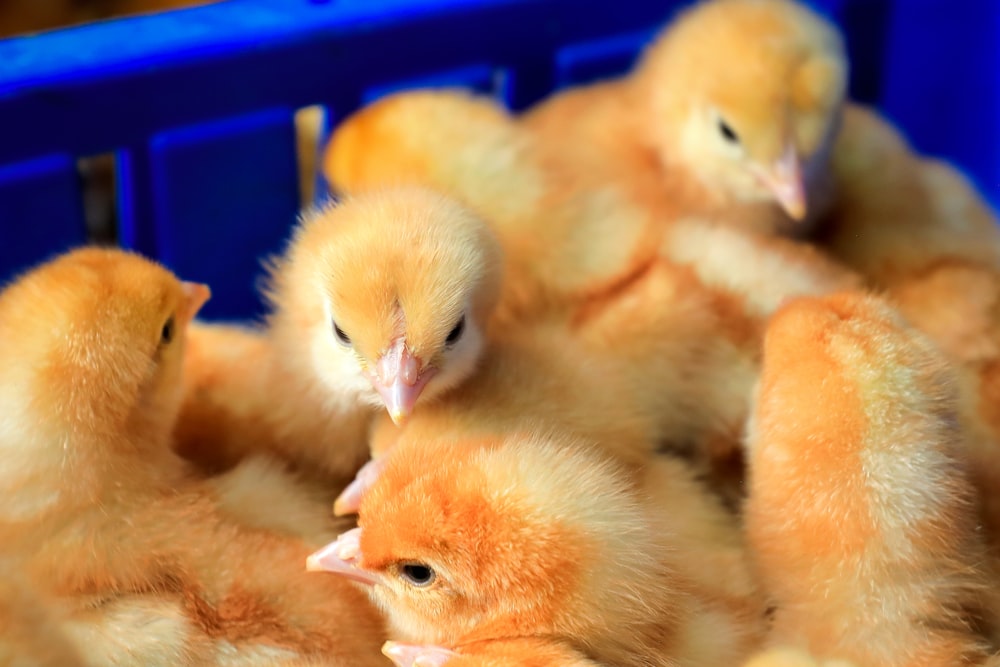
387	297
533	535
99	507
861	518
737	102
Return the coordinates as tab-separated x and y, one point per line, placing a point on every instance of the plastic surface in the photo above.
197	104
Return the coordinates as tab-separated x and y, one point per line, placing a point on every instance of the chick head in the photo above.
96	337
746	94
390	292
491	539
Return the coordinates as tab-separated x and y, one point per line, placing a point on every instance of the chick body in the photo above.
101	508
861	516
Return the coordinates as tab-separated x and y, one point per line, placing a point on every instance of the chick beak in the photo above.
340	557
195	296
399	380
410	655
784	180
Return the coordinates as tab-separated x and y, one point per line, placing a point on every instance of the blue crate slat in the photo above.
479	77
41	211
175	93
225	195
154	72
134	194
599	59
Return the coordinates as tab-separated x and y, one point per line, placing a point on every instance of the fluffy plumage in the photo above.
388	296
861	517
534	536
99	507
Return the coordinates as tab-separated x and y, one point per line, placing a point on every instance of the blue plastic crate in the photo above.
197	104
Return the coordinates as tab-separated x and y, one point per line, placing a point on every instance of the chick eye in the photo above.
728	133
167	333
456	332
418	574
341	336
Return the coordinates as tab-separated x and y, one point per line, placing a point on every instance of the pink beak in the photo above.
341	557
195	296
413	655
786	183
399	380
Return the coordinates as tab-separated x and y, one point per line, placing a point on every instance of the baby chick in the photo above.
350	330
861	517
100	508
387	297
736	103
492	539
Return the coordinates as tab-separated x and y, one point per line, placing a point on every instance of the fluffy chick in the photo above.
99	505
861	517
386	298
735	104
492	539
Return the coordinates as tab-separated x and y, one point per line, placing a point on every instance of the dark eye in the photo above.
417	574
456	332
728	133
167	334
341	336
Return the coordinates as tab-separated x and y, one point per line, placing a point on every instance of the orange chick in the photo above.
734	105
861	518
100	508
535	536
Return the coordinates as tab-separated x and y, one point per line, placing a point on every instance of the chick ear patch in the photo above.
819	82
